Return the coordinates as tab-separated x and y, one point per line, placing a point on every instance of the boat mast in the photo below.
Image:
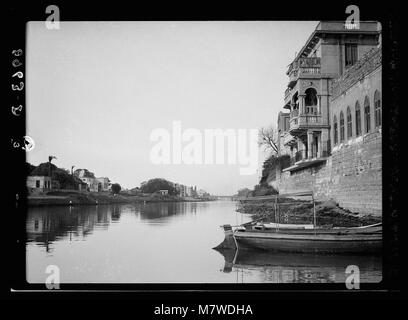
314	212
276	218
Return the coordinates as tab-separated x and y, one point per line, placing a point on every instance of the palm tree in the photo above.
50	158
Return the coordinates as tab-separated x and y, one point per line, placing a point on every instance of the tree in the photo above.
43	169
29	168
244	192
63	176
268	138
116	188
263	190
135	191
273	163
154	185
50	158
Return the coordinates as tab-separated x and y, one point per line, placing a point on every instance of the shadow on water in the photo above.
300	268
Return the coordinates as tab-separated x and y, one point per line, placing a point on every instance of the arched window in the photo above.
358	119
367	115
377	107
311	97
311	101
335	136
349	124
341	126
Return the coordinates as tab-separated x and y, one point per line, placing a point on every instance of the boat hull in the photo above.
309	242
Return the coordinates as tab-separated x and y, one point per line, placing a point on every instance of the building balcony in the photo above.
296	164
300	122
301	160
303	68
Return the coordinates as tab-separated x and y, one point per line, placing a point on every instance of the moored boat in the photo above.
331	240
304	238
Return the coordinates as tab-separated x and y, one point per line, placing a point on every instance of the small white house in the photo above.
103	184
39	183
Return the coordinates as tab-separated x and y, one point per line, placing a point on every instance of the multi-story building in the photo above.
189	191
185	191
283	128
181	189
93	184
202	193
103	184
328	53
334	108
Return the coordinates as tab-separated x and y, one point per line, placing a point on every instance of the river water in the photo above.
165	243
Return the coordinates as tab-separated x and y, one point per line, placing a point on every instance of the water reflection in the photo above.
48	224
299	268
165	209
164	243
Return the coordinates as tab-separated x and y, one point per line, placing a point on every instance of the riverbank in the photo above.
67	198
301	212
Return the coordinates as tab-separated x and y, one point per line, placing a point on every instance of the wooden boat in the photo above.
366	239
304	238
274	225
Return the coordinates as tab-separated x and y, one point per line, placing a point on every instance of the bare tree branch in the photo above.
268	138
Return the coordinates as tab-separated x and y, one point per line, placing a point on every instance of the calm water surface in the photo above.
164	242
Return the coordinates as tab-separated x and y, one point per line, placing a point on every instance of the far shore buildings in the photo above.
86	181
182	190
93	184
332	128
185	191
39	182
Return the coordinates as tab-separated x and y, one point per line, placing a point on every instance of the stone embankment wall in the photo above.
351	176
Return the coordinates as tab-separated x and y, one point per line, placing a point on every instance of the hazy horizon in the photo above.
96	91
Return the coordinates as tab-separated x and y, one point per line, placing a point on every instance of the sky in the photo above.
97	90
